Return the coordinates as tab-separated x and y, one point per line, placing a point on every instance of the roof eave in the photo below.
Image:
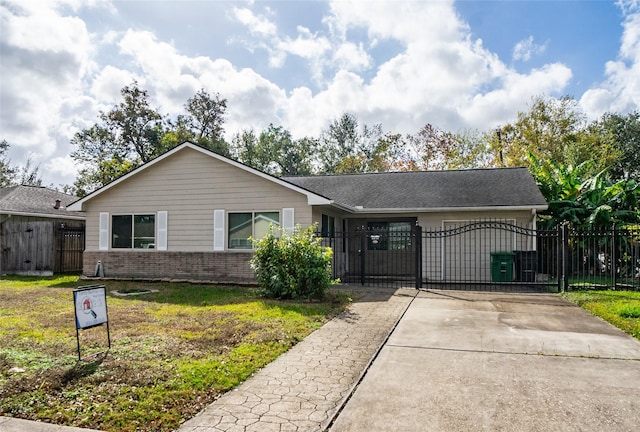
537	207
43	215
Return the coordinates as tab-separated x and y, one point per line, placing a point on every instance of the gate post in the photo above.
563	279
614	247
418	240
363	240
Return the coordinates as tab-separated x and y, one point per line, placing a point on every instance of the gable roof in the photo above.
394	192
36	201
312	197
472	189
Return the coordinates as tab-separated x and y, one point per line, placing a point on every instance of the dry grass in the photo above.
173	351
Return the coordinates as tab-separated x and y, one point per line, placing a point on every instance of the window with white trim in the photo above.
244	225
133	231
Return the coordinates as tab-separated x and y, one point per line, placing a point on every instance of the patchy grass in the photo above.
620	308
173	351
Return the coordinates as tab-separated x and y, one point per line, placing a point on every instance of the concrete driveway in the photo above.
461	361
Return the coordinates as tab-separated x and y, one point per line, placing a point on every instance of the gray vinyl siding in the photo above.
190	186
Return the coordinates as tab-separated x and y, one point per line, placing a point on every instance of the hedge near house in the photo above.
291	266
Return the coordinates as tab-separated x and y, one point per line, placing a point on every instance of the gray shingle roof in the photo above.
512	187
36	200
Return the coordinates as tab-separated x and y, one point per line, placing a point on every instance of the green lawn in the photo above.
620	308
173	352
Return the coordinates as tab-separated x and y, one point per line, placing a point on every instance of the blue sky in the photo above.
301	64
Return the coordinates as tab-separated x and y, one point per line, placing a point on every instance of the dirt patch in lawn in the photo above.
174	351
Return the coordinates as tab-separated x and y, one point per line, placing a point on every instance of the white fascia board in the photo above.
312	199
448	209
43	215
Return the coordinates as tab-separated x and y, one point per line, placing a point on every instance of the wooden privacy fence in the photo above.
40	247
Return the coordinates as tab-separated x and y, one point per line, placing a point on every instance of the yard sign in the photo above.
91	309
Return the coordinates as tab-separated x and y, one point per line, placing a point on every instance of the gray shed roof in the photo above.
36	201
429	190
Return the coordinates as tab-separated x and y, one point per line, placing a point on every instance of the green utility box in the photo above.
502	266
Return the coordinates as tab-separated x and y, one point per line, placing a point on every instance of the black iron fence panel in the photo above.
488	255
381	257
602	258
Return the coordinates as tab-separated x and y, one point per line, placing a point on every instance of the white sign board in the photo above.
91	306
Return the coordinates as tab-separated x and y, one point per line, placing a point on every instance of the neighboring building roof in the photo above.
429	190
36	201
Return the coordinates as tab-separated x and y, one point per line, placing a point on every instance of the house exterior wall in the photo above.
218	267
189	186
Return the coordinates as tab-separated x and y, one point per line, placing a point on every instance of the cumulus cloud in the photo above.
620	92
526	48
259	25
47	52
437	71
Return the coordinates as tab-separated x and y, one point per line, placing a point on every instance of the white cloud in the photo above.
526	48
46	55
256	24
352	56
620	92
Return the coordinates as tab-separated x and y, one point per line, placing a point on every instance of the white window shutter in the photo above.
161	239
288	219
103	239
218	230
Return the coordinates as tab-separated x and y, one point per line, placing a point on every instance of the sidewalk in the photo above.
304	388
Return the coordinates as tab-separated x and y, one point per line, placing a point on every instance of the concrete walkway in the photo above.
461	361
303	389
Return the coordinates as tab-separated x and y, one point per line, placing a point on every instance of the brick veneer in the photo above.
217	266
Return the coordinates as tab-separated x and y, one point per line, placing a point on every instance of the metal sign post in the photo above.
91	310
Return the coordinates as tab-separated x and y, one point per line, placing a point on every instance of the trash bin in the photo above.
526	265
502	266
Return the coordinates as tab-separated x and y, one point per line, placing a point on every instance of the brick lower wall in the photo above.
214	266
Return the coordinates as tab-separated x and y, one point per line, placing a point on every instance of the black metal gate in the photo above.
489	255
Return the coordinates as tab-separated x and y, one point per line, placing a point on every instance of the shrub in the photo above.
289	266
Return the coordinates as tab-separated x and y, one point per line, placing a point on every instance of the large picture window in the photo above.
133	231
242	226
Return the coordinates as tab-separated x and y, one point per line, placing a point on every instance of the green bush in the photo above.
291	266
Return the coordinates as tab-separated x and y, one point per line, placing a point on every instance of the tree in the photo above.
584	200
347	148
274	151
27	175
127	136
7	172
470	150
552	130
624	132
244	148
204	121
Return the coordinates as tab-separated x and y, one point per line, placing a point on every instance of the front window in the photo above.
133	231
242	226
389	235
328	226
